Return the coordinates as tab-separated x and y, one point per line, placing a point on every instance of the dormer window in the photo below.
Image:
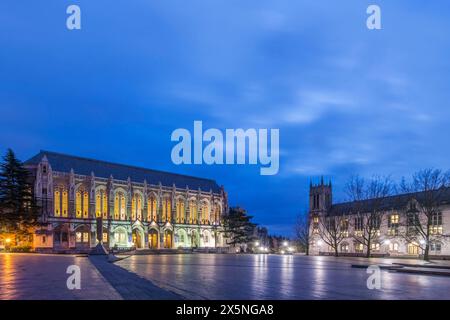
44	169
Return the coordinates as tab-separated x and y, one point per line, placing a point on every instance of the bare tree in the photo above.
423	223
302	231
369	197
333	230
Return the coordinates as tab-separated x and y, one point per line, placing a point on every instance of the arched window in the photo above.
136	207
204	213
192	211
151	208
98	205
85	205
57	203
123	208
217	214
133	208
169	210
104	205
101	204
78	204
116	206
180	211
166	210
65	201
119	206
139	208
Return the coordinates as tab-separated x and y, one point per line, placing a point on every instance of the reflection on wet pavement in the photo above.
216	276
34	276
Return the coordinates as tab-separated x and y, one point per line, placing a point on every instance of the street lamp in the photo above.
8	240
285	243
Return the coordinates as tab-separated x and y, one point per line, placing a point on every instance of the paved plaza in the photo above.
34	276
210	276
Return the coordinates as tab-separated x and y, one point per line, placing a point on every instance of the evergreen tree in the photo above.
18	210
238	227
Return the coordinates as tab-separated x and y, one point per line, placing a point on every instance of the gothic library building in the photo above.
138	207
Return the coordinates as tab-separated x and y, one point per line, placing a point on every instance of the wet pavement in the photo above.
42	277
215	276
211	276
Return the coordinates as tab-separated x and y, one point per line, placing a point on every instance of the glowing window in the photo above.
122	208
65	204
105	205
98	205
57	202
78	204
133	208
116	207
85	205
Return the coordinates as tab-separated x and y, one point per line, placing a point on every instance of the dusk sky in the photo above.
347	100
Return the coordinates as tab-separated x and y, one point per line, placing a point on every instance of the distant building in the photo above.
138	207
388	239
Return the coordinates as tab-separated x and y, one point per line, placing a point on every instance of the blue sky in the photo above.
346	99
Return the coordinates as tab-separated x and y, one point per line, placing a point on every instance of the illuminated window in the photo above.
105	205
344	247
166	210
57	203
413	248
204	213
375	246
123	212
393	224
65	201
180	211
151	209
98	205
78	204
192	212
217	214
393	246
394	219
139	208
436	223
82	237
116	207
133	208
105	237
101	204
85	205
359	248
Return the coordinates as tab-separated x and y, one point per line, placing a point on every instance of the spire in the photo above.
321	181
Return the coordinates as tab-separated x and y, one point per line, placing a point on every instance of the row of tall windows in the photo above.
120	208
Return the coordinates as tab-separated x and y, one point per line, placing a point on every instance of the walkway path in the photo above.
129	285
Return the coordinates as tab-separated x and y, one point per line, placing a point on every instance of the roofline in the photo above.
122	165
410	194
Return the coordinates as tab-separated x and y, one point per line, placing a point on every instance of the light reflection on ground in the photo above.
208	276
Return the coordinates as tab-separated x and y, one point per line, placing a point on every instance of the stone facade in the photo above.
145	209
389	237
